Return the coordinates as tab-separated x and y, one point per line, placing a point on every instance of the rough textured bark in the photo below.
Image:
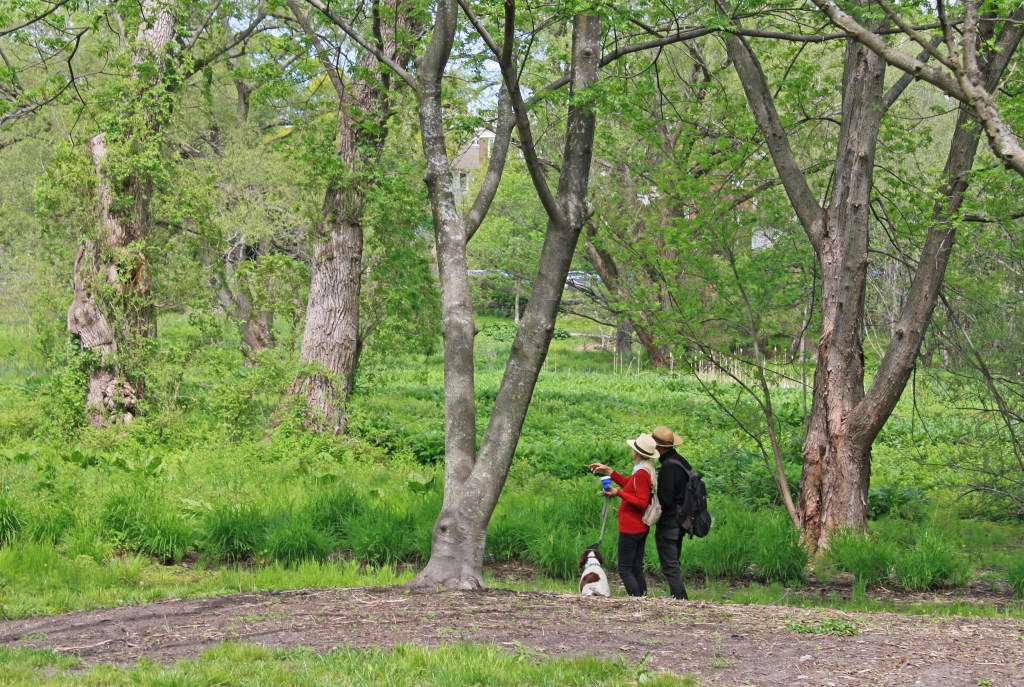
473	482
330	342
845	419
111	314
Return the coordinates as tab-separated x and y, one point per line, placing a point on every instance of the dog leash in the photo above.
604	520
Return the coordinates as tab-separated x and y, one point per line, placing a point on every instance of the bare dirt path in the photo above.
722	644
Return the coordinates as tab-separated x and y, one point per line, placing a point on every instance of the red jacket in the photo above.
636	494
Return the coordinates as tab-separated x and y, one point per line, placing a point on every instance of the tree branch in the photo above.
755	85
367	45
499	153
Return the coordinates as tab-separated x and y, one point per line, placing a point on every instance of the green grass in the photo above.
779	595
868	559
37	580
404	666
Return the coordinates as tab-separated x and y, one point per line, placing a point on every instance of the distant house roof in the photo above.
475	154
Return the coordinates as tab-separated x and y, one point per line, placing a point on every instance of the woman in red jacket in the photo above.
635	494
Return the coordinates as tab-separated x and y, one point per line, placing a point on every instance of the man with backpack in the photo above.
673	478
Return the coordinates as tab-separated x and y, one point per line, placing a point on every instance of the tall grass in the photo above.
1015	578
868	559
232	532
140	518
778	555
932	562
11	518
728	550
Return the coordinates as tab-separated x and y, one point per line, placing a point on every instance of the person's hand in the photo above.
597	468
611	491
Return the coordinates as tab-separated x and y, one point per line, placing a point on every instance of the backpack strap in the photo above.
653	472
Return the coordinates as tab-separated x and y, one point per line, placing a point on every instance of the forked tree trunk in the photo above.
474	482
111	314
845	419
834	484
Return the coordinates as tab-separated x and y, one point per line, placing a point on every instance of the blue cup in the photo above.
606	483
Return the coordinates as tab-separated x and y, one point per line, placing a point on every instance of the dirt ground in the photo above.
722	644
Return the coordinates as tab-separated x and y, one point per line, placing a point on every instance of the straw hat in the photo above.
644	445
663	436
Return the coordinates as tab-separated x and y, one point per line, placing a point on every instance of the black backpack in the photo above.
692	514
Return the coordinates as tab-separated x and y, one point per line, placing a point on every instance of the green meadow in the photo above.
219	488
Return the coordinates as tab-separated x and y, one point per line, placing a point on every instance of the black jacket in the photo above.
672	480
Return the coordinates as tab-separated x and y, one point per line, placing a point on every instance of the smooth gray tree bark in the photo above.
474	480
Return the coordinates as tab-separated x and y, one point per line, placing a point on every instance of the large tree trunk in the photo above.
473	483
845	419
330	339
331	342
111	314
833	488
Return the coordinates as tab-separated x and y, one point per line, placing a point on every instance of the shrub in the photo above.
138	518
232	532
899	502
931	563
333	510
868	560
63	391
728	550
777	553
1015	577
293	540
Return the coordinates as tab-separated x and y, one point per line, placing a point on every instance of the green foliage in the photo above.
139	518
335	510
1015	578
502	331
293	540
897	501
394	531
729	550
932	562
63	392
868	559
232	532
778	555
11	519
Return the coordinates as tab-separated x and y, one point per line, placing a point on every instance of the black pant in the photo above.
631	563
669	541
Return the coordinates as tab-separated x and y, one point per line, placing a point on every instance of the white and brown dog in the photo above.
593	581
